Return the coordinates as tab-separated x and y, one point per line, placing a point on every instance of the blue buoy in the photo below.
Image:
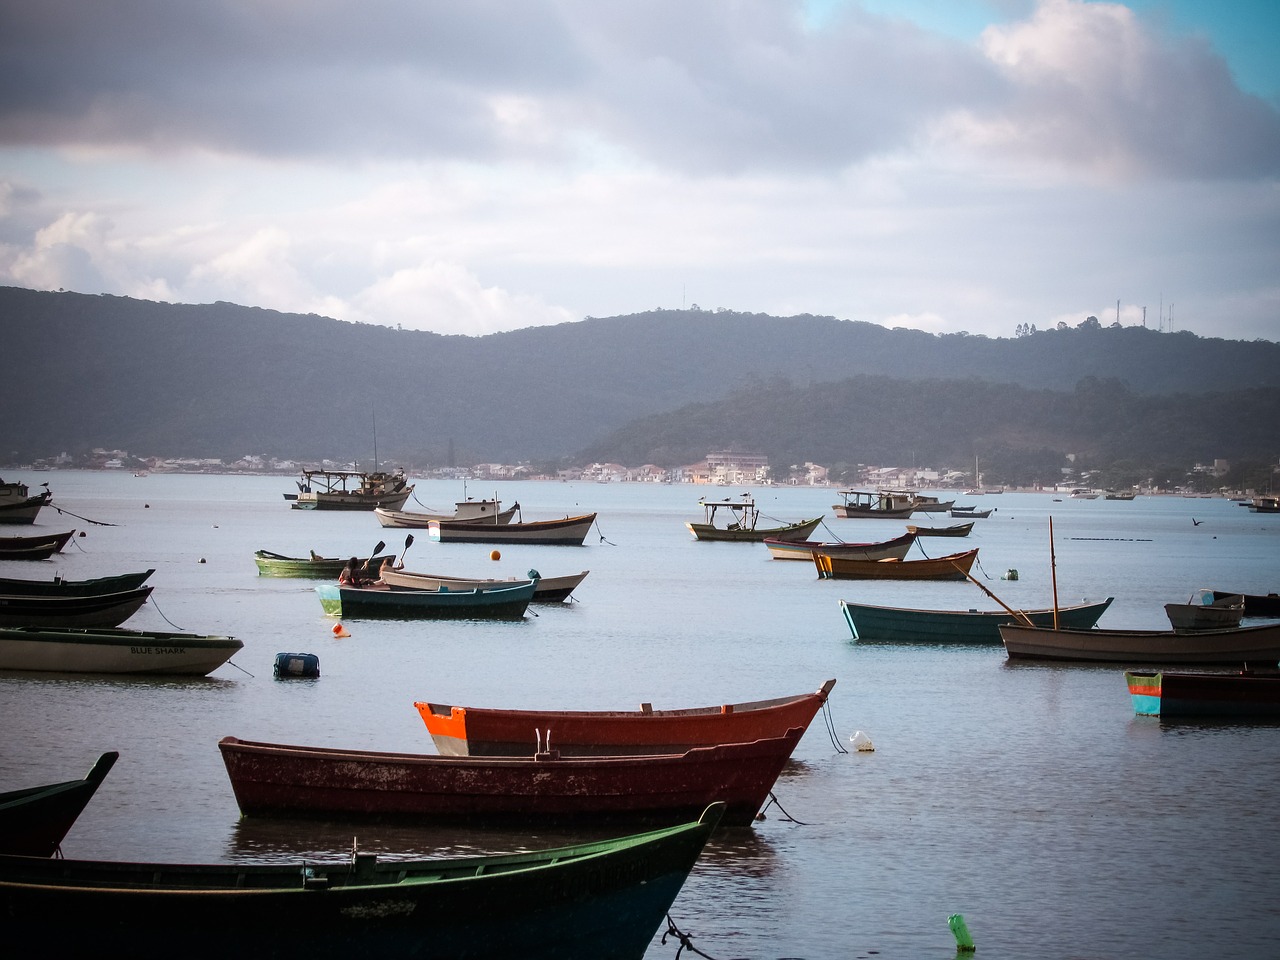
294	665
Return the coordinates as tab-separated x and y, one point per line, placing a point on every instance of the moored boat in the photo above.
744	523
546	788
970	512
35	547
379	601
315	566
108	650
477	731
566	532
18	506
1204	612
1255	604
350	490
603	900
1258	645
95	610
867	504
896	548
546	589
1225	695
465	511
876	624
35	820
58	587
955	530
955	566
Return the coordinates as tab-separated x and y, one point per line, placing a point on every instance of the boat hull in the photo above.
956	566
38	547
601	900
546	590
34	821
1192	695
1196	616
105	610
496	603
282	780
894	549
874	624
24	511
476	731
1255	605
323	568
113	651
57	587
421	521
567	532
956	530
1242	645
790	531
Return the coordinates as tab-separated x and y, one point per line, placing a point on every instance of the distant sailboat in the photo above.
977	481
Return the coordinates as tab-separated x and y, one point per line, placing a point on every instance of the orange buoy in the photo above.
495	555
340	631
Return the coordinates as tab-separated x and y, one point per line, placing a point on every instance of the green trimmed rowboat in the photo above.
604	900
315	567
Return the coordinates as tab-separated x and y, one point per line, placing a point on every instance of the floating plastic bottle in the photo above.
964	942
862	742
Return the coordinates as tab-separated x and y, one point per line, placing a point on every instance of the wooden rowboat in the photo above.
1258	646
1204	612
106	650
1172	696
872	624
962	512
546	589
102	610
465	511
58	587
281	780
502	602
1255	604
35	547
566	532
743	525
956	566
312	567
34	821
477	731
897	548
605	900
955	530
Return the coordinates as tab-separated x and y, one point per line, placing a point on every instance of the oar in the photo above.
380	545
981	586
408	541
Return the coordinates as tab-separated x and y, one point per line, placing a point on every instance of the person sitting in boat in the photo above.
353	574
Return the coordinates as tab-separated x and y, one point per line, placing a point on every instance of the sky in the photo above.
488	165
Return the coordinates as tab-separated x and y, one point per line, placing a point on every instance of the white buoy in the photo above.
862	743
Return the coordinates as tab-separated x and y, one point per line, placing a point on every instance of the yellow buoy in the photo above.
495	555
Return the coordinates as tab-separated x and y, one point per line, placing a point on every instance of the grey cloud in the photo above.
707	88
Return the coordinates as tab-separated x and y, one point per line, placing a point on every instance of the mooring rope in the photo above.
101	523
686	942
162	616
601	532
773	801
831	727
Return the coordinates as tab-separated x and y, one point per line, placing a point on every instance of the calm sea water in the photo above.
1027	798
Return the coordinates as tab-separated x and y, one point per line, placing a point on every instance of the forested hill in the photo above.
227	380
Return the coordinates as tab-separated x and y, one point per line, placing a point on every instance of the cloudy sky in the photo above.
485	165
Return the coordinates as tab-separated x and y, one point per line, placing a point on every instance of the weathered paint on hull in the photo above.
602	900
113	651
471	731
1227	695
1242	645
275	779
872	624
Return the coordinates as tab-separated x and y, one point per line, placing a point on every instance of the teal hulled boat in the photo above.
504	602
872	624
603	900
